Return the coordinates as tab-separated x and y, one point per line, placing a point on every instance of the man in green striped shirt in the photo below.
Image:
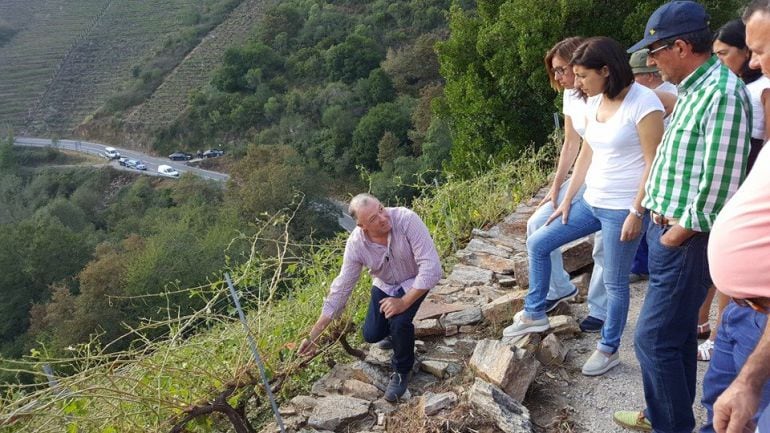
699	164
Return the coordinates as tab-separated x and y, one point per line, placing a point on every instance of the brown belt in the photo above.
760	305
662	220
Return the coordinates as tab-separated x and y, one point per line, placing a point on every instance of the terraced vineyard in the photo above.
102	60
46	32
195	71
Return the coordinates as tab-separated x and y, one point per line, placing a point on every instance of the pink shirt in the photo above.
409	261
739	246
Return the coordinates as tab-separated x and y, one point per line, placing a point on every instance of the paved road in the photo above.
152	162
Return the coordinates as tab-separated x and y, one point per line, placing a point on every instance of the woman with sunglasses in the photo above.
561	288
624	125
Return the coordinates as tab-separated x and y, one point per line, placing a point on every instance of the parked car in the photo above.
167	170
111	153
213	153
122	161
136	164
180	156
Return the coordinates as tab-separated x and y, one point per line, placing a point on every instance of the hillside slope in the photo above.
46	31
195	71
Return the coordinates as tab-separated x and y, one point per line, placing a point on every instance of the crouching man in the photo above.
396	247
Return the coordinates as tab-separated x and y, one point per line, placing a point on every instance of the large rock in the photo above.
510	368
565	326
551	351
503	308
509	415
427	328
491	262
378	356
577	254
470	276
370	374
356	388
331	382
431	308
334	412
521	269
479	246
459	318
440	369
434	403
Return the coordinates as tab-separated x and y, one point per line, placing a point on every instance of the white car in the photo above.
167	170
111	153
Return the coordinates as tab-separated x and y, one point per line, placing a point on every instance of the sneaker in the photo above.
591	324
386	343
705	351
635	278
551	304
632	420
521	325
600	363
396	387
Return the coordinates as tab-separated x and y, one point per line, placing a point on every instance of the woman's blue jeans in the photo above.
584	220
560	284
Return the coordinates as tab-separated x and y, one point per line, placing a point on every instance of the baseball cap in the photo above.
638	62
673	19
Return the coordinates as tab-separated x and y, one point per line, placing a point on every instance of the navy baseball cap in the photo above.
673	19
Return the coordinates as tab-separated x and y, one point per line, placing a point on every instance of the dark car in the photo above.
122	161
135	164
213	153
180	156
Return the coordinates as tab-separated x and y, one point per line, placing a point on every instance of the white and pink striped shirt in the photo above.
409	261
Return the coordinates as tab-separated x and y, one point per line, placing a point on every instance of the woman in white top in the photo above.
623	129
574	108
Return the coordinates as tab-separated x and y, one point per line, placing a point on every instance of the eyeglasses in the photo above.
652	52
559	71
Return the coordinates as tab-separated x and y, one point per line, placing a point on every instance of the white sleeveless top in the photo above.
755	89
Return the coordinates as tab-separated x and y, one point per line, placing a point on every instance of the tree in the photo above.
388	151
413	66
393	117
246	67
353	59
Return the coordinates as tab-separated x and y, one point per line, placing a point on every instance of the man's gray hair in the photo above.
762	6
360	201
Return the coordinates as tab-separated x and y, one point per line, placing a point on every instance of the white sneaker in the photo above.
600	363
521	325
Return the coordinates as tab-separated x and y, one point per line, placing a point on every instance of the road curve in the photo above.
152	162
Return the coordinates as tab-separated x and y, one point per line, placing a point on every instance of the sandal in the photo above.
704	331
705	351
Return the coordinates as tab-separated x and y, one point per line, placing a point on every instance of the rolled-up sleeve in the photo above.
429	270
342	286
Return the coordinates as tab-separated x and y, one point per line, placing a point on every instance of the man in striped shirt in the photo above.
698	166
396	247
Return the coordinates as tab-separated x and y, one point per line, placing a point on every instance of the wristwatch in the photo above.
632	210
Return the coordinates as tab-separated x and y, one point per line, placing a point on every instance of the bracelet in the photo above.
632	210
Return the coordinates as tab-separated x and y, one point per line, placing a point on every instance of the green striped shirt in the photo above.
702	159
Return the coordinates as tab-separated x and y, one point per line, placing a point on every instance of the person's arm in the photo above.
726	142
578	178
738	404
667	99
567	155
335	302
650	130
429	270
766	112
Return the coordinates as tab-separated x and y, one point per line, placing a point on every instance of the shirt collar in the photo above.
699	75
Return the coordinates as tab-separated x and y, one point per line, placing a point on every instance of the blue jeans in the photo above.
399	327
666	337
642	257
584	220
560	284
739	332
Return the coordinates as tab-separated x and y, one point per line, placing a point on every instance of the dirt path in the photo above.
594	399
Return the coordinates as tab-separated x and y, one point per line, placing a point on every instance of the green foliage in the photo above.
393	117
245	68
497	93
353	59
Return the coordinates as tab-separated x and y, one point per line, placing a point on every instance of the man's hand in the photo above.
676	236
308	347
735	408
392	306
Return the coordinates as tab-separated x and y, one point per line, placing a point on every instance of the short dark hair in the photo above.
762	6
733	33
564	49
701	41
598	52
